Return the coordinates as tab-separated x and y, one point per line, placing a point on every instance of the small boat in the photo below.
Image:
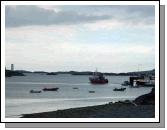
35	91
75	88
125	83
98	78
50	89
91	91
119	89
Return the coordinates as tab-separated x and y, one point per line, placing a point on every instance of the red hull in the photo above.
98	81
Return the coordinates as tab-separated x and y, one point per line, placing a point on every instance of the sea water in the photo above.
73	92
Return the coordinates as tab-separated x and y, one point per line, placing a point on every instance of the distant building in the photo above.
12	67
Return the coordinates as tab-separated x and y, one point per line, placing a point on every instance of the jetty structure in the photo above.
148	81
140	81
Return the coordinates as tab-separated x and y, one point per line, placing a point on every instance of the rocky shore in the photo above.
141	107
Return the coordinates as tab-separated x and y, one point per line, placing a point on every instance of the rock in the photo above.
147	99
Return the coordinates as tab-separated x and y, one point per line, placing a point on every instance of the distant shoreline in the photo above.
141	107
9	73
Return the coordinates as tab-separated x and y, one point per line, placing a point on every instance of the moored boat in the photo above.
50	89
91	91
119	89
125	83
35	91
75	88
98	78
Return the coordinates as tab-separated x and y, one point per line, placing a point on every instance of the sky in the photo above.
112	38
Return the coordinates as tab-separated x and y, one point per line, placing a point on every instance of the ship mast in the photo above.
96	71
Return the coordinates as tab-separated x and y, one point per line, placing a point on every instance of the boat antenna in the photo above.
96	70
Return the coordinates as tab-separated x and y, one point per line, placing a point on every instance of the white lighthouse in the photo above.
12	67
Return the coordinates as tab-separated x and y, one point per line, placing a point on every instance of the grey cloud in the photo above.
33	15
136	14
129	14
75	14
132	13
140	10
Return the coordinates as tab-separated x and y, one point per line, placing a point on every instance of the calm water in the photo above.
20	101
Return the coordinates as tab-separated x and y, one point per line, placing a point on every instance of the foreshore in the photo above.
141	107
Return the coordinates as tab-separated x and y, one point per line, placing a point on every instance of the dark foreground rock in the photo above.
147	99
139	108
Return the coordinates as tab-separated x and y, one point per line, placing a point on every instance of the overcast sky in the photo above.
111	38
